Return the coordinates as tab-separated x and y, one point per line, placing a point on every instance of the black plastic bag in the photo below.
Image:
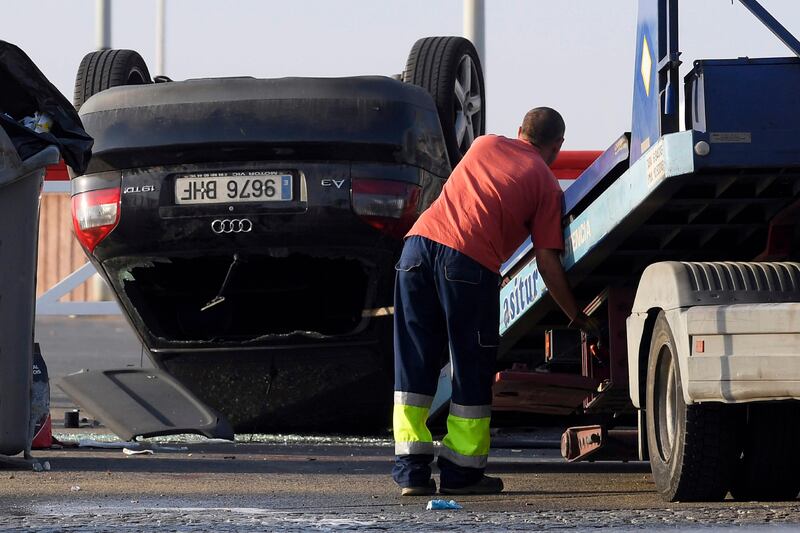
24	90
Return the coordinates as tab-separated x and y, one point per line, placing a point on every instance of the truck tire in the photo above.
693	448
769	468
450	70
104	69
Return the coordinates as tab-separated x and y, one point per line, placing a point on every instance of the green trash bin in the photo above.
20	188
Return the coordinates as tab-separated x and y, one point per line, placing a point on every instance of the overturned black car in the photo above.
249	227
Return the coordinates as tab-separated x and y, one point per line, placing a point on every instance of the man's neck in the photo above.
533	145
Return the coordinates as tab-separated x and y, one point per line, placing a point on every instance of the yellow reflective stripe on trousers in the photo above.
411	433
469	439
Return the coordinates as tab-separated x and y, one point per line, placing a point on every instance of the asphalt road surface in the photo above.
320	484
302	486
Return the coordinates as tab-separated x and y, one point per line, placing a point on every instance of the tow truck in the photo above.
680	241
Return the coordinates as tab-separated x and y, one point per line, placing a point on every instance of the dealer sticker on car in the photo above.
229	187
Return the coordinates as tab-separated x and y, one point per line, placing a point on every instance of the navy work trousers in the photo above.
443	300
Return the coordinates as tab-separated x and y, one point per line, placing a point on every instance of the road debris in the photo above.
128	451
437	505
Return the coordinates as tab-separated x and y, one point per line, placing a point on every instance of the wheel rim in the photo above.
467	103
666	395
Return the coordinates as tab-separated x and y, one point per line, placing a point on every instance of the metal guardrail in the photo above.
49	302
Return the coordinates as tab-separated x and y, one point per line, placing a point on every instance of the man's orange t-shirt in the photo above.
501	192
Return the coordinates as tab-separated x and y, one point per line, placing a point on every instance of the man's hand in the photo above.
586	324
552	272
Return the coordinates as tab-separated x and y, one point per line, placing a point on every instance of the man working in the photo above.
447	295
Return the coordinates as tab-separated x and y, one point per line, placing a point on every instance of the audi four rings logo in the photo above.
231	225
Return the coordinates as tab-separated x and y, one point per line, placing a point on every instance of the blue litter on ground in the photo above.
436	505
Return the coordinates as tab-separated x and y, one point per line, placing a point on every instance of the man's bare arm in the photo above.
552	272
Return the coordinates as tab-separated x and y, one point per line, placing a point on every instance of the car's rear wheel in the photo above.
104	69
450	70
769	468
693	448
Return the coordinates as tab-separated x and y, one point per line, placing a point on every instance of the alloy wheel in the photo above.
467	104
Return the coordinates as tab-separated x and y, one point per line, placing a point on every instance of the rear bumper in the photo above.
743	353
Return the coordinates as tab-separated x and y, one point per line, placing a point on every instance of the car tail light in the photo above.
94	215
389	206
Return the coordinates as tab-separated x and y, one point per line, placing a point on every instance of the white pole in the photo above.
102	24
474	27
99	290
160	36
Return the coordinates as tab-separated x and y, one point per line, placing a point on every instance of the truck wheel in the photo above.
770	465
450	70
104	69
693	450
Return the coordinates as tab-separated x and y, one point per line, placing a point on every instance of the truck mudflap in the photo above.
143	402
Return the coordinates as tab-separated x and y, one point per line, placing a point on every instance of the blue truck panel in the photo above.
744	127
646	127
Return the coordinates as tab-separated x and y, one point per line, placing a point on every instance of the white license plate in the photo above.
225	189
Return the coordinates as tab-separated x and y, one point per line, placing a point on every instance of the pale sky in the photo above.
574	55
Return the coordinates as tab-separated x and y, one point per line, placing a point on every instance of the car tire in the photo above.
693	448
450	70
769	466
104	69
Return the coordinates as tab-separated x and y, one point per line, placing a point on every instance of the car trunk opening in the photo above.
222	298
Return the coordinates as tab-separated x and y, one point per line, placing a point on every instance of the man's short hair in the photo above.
543	125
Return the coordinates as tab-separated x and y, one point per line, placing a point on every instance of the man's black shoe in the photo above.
486	485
